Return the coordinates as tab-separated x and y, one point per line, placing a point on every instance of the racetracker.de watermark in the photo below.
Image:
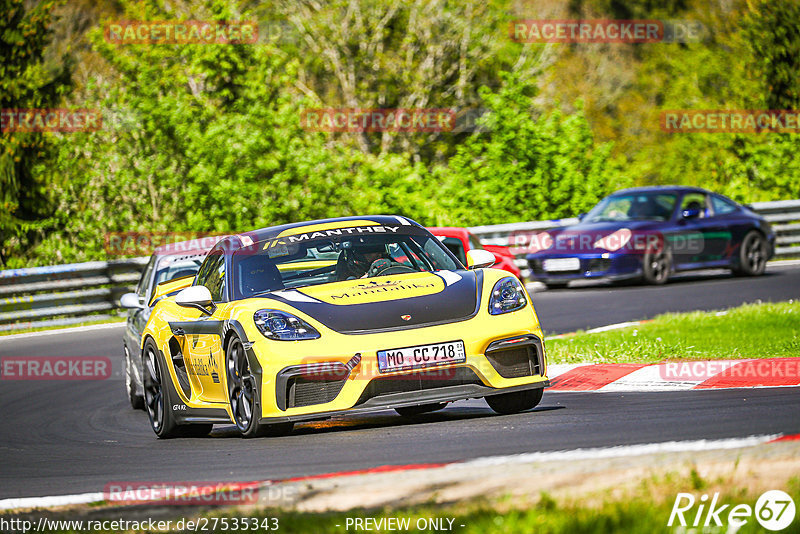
730	121
623	240
379	120
768	369
128	32
163	243
605	31
50	120
194	493
55	368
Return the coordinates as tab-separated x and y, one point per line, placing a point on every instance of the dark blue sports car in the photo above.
648	233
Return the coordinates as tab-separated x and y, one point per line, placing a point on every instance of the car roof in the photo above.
273	232
662	189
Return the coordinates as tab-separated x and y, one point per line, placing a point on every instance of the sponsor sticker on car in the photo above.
421	356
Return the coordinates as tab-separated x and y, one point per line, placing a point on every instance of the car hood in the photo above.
389	302
623	236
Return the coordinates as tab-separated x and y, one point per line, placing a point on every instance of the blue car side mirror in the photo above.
581	216
691	214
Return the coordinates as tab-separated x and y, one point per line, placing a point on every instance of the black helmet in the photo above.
353	262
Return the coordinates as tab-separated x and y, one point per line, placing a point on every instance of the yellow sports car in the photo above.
304	321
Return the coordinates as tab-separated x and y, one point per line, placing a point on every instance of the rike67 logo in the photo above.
774	511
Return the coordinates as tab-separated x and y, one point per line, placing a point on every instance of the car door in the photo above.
701	237
205	359
137	317
733	218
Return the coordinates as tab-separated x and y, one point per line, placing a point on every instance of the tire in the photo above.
519	401
752	255
656	266
411	411
157	398
242	394
556	285
136	400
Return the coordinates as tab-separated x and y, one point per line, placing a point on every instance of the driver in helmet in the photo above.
361	259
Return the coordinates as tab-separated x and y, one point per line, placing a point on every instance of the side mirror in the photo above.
690	214
198	297
581	216
479	258
131	301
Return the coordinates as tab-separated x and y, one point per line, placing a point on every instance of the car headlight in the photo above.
507	295
614	241
282	326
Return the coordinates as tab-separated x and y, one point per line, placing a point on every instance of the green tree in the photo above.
28	79
529	165
207	138
772	28
403	54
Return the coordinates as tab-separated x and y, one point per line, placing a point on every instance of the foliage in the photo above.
772	28
207	138
526	167
28	80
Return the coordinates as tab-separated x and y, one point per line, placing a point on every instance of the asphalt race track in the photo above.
61	437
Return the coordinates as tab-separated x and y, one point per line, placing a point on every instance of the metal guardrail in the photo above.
65	294
68	294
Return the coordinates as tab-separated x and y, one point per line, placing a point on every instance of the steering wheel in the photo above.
384	267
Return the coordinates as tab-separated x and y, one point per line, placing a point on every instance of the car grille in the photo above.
426	380
303	391
599	265
516	362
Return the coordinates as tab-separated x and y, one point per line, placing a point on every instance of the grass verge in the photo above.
768	330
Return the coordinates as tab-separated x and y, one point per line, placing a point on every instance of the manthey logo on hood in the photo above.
317	231
364	291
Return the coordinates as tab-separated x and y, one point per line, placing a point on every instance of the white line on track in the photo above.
47	502
71	330
783	263
621	451
616	326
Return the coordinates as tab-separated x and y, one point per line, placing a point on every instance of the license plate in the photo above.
421	356
561	264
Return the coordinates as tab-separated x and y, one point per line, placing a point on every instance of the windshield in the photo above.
173	267
635	206
286	264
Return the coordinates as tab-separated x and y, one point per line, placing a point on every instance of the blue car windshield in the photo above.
654	206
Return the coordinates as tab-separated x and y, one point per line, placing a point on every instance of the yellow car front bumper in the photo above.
307	380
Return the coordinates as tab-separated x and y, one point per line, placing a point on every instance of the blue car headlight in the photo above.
507	295
282	326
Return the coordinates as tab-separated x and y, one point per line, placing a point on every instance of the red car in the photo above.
459	241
